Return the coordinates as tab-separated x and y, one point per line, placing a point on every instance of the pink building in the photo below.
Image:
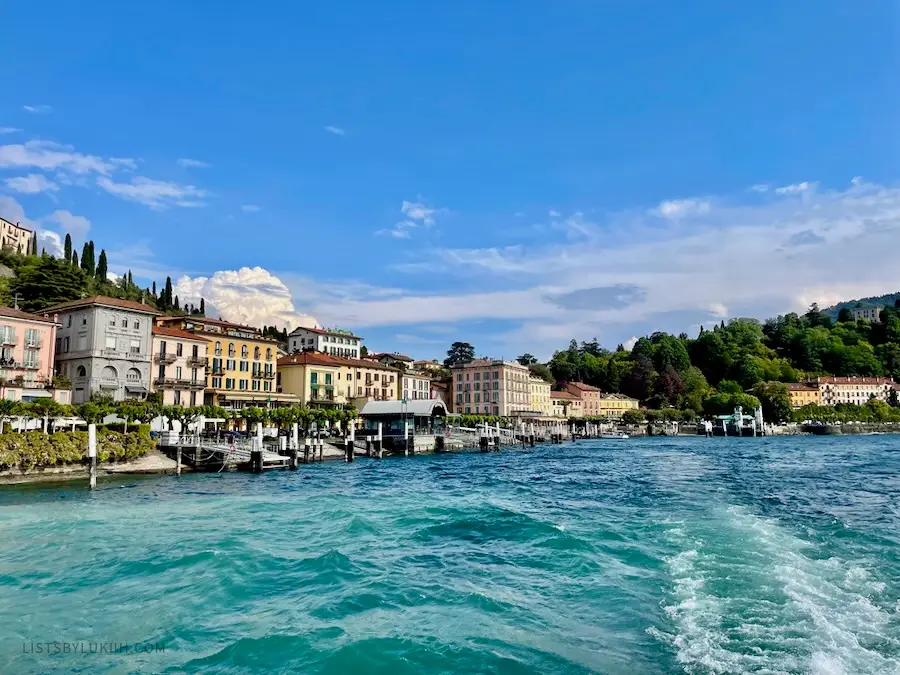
27	346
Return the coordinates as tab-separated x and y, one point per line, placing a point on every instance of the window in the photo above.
256	353
245	366
229	383
112	320
243	384
217	383
218	351
162	371
135	347
269	354
195	351
109	373
244	351
230	349
179	349
230	364
177	397
111	342
32	337
178	373
136	324
125	322
162	348
84	319
133	375
66	345
477	376
327	378
69	321
255	385
193	398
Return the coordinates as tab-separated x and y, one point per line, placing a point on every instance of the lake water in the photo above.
641	556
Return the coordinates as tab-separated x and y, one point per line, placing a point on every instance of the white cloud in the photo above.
250	208
553	213
675	209
9	130
189	163
49	156
417	214
31	184
337	131
250	295
67	221
795	189
760	187
51	242
156	194
37	109
630	343
12	211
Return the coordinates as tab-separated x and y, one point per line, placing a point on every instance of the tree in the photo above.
541	371
75	260
667	388
8	410
102	269
845	316
176	304
34	244
87	260
632	417
527	359
775	401
153	291
46	281
459	353
67	248
363	351
203	313
167	294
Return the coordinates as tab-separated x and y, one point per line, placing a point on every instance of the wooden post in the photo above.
306	442
282	444
406	436
350	442
256	461
295	436
293	462
178	460
92	453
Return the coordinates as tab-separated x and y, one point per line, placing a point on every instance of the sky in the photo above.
423	172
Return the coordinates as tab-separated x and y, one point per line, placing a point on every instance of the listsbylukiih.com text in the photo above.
54	648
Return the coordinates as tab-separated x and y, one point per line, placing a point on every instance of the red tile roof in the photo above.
103	301
13	313
854	380
580	386
802	386
164	331
565	395
321	359
396	357
203	319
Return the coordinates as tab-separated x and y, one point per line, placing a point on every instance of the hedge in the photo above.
35	449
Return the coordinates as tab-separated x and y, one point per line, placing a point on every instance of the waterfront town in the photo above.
119	349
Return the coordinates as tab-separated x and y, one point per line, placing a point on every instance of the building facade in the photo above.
179	366
491	387
590	397
332	342
566	404
612	406
872	314
414	386
855	390
27	357
241	364
394	360
804	393
340	380
539	396
15	237
440	391
103	345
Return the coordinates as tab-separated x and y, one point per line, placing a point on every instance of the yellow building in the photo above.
315	378
539	396
612	406
804	393
566	404
242	364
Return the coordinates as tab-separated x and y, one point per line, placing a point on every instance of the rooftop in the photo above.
13	313
206	320
9	222
853	380
321	359
581	386
569	396
802	386
616	397
395	356
326	331
165	331
102	301
422	407
488	363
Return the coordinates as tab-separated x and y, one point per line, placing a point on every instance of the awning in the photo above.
135	389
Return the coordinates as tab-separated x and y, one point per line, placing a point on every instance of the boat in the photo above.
613	436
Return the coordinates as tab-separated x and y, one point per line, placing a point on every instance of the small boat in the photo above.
613	436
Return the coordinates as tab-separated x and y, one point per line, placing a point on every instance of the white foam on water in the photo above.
747	597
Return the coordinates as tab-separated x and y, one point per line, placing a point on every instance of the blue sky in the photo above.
426	172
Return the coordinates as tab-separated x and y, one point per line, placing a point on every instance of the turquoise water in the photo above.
640	556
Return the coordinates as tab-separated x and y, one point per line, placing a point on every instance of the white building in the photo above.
415	386
872	314
334	342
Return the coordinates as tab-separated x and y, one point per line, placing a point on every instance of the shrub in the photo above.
36	449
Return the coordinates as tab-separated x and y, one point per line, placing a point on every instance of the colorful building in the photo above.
491	387
179	366
855	390
27	357
566	404
415	386
590	396
539	396
804	393
612	406
337	380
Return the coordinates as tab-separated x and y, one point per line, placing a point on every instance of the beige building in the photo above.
14	236
566	404
872	314
179	366
316	378
612	406
804	393
855	390
414	386
539	396
491	387
590	397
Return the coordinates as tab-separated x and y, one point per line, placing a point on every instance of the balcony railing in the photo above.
262	375
196	362
34	343
165	357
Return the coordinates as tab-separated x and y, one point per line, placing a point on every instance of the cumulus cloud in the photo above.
337	131
188	163
156	194
9	130
250	295
68	222
31	184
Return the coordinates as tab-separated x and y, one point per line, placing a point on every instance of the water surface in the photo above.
640	556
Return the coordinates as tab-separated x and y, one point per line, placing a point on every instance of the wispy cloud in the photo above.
188	163
156	194
417	214
49	156
676	209
337	131
9	130
31	184
795	189
37	109
250	208
67	221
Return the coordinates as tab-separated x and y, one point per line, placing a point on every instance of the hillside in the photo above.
889	300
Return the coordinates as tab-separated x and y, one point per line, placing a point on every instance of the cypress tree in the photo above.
34	244
176	303
167	294
202	307
85	254
74	259
68	247
102	266
154	289
130	279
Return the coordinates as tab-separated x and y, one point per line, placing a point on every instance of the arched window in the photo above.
133	375
269	354
244	351
109	373
256	353
218	349
81	371
230	349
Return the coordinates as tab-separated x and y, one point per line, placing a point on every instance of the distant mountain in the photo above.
877	301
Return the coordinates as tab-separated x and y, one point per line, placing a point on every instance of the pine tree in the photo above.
74	259
130	280
102	268
167	294
68	247
202	307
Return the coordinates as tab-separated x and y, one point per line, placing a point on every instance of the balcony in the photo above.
196	362
165	357
264	376
34	343
217	370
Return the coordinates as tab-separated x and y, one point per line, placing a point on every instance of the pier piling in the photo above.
178	451
92	454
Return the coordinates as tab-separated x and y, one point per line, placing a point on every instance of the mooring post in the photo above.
306	442
293	463
92	454
350	442
178	459
295	436
379	446
256	461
